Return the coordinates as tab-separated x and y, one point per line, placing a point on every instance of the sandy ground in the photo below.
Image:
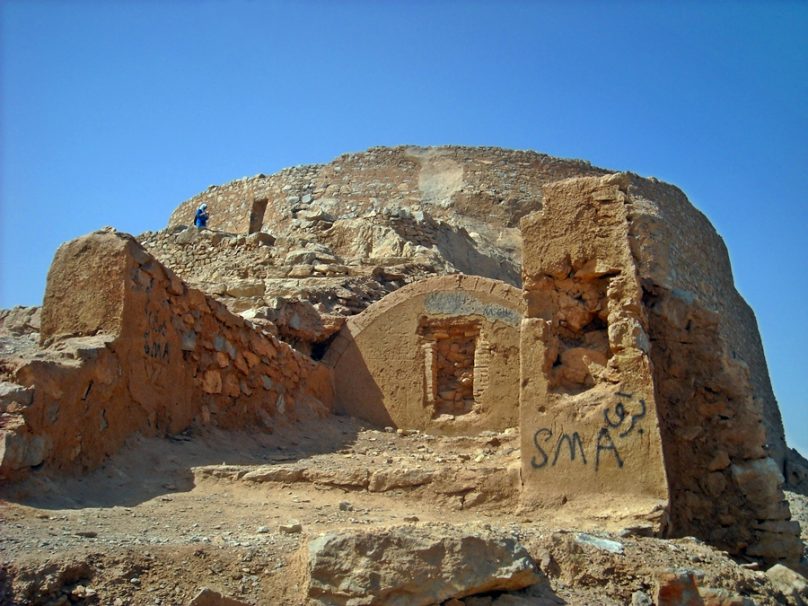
167	517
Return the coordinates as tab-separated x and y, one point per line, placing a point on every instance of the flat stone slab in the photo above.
415	565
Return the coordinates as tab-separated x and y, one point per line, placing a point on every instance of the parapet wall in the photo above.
144	354
492	185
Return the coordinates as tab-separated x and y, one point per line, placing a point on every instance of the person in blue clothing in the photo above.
201	218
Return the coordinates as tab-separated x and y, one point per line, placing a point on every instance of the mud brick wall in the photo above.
634	385
440	355
145	354
590	432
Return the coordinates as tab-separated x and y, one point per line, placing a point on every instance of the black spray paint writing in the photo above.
613	419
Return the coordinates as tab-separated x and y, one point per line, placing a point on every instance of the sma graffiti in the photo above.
571	447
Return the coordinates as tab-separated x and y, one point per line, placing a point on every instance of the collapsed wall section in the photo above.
438	355
589	420
150	356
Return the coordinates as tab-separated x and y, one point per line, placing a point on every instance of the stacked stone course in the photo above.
390	177
165	357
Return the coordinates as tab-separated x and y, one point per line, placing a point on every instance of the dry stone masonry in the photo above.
453	291
133	349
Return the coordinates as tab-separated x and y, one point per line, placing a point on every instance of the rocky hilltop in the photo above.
410	376
342	235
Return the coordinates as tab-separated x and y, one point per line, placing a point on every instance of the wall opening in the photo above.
582	346
257	211
449	364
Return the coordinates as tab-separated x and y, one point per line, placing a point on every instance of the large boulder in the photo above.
19	320
792	585
415	566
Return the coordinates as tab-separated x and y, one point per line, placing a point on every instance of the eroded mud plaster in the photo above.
441	354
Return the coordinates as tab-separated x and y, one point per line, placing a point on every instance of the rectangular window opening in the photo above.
449	347
257	211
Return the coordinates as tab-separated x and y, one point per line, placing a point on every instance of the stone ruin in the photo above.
130	348
448	290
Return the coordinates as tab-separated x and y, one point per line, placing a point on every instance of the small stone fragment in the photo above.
209	597
677	588
640	598
605	544
292	527
788	582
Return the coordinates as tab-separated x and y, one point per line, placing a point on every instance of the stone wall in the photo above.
440	354
589	421
208	257
144	354
492	185
677	249
340	264
634	385
723	486
420	211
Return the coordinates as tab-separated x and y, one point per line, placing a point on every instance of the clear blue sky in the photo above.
114	112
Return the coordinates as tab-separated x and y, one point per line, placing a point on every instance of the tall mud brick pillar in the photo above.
643	383
588	413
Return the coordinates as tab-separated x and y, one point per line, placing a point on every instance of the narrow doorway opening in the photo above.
449	348
257	211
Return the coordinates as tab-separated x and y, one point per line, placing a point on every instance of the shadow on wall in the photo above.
147	468
358	386
459	248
